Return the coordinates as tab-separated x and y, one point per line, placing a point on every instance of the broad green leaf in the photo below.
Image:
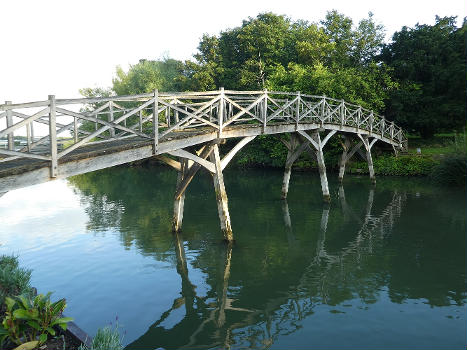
43	337
27	346
34	324
51	330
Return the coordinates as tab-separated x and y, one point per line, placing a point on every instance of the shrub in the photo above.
451	170
399	166
14	280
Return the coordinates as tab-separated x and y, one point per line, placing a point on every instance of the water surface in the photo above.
380	267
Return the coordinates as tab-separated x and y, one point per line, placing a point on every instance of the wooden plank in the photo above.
184	154
169	161
24	154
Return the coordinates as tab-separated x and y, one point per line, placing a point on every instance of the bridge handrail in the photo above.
180	111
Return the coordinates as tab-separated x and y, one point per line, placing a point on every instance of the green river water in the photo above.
380	267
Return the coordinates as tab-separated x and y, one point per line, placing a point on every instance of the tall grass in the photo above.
14	280
106	338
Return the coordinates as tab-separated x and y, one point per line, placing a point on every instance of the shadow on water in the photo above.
291	257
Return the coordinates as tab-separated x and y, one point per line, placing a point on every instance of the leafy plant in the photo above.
28	319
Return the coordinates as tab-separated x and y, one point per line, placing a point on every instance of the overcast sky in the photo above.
58	47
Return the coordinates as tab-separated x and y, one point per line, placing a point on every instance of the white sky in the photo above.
57	47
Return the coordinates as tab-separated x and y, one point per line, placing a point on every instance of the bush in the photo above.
451	170
398	166
14	280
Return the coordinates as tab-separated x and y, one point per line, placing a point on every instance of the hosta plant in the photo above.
32	318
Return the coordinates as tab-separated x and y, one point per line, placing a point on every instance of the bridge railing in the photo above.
70	124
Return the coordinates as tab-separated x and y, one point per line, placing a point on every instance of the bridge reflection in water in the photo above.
224	321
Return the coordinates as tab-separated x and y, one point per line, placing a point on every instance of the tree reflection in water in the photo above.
275	276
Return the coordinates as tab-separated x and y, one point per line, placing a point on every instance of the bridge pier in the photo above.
221	195
296	147
318	144
180	200
368	145
187	168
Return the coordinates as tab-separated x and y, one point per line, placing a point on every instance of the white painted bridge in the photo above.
89	134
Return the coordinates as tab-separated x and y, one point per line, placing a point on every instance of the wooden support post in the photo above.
155	120
221	195
75	129
220	111
322	167
111	118
9	122
297	111
265	110
292	155
286	180
345	146
28	137
368	145
371	170
53	137
179	201
140	121
31	129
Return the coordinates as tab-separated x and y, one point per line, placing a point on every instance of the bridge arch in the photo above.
130	128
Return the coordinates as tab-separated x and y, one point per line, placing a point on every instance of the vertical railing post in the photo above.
359	116
53	137
28	136
75	129
297	110
382	127
220	111
323	107
342	112
371	122
140	123
392	131
265	110
155	120
9	122
111	118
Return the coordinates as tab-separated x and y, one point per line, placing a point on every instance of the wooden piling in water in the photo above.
179	201
221	195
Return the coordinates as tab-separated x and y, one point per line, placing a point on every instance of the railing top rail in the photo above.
191	95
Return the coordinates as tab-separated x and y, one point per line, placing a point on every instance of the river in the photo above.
380	267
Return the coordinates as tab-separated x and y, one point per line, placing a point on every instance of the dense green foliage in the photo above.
418	80
452	169
398	166
429	63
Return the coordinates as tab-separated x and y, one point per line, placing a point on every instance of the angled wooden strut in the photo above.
347	153
368	145
187	168
318	144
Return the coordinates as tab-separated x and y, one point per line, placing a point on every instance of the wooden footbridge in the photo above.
89	134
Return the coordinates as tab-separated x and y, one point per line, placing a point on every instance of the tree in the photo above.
429	62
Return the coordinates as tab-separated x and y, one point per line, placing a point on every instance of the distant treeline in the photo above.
418	79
